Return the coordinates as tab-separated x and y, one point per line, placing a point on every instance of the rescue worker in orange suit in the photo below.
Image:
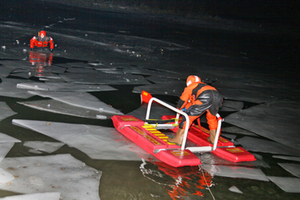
197	98
42	41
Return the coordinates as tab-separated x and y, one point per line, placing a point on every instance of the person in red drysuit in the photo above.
42	41
197	98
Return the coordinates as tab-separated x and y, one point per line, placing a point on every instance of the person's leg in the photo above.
213	125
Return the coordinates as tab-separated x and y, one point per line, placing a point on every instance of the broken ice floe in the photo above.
287	184
229	105
211	159
96	141
59	173
237	130
8	88
96	77
5	177
5	111
6	143
235	189
66	87
58	107
48	147
271	121
292	168
235	172
174	89
266	146
287	158
36	196
83	100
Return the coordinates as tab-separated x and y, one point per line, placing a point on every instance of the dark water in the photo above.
271	54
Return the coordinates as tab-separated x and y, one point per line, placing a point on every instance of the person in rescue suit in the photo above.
42	41
197	98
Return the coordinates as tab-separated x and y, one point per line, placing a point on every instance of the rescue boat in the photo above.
150	137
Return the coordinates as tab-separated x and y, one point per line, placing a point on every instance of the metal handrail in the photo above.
178	113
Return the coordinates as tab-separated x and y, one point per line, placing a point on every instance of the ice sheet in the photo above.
8	89
174	89
48	147
5	177
235	189
287	184
5	148
229	105
83	100
287	158
276	121
234	129
37	196
97	142
103	78
292	168
59	87
235	172
58	107
59	173
266	146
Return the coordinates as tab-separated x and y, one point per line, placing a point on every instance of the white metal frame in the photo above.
178	113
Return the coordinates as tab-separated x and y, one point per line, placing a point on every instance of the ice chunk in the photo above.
37	196
235	189
271	121
287	184
235	172
83	100
48	147
59	173
8	89
266	146
157	111
58	107
234	129
5	111
96	141
5	148
287	158
50	86
5	177
292	168
174	89
7	139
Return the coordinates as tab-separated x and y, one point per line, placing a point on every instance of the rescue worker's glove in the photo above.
184	109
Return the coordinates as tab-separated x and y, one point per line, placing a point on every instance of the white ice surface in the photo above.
59	173
5	177
266	146
79	99
96	141
8	89
235	172
95	77
58	107
235	189
276	121
292	168
287	158
5	148
5	111
37	196
48	147
287	184
59	87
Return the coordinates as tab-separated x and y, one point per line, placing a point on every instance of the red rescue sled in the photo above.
151	139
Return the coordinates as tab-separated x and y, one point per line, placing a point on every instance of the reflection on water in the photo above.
182	182
41	60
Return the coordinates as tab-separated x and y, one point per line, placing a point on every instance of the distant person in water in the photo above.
197	98
42	41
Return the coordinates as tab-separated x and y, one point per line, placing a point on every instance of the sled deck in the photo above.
149	137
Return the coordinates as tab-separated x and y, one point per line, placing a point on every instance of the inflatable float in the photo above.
148	136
